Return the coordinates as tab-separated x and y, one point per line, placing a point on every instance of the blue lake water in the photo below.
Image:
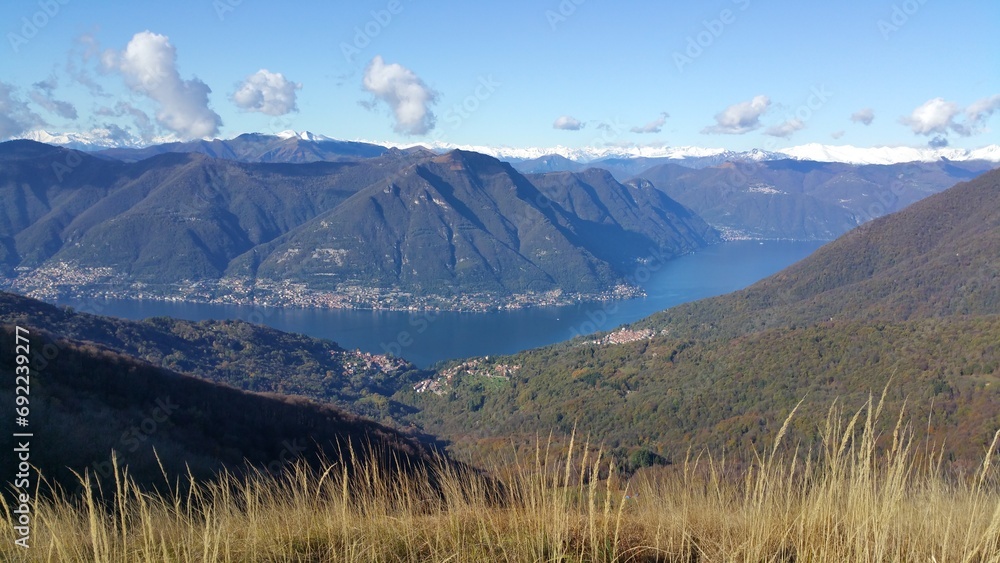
428	337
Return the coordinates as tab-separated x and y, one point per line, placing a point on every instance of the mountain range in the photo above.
461	229
802	200
907	303
101	139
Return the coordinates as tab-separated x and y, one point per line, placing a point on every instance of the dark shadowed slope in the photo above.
88	401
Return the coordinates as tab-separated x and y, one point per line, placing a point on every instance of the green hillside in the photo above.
911	300
465	222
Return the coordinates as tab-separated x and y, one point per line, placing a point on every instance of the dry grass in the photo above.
851	501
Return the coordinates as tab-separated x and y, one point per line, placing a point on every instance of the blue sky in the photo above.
736	74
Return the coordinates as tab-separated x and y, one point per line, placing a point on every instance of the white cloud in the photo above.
939	117
15	115
404	92
786	128
865	116
979	110
654	126
149	66
837	134
934	117
567	123
266	92
740	118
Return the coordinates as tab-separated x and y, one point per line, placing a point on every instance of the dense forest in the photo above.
910	301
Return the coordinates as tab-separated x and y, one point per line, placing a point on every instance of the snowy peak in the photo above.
846	154
95	139
102	138
889	155
303	135
581	154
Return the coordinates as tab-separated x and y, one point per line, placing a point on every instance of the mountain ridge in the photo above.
698	156
393	230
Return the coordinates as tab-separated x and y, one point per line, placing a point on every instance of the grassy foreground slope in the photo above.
911	300
853	502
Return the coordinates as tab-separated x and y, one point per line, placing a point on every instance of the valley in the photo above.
575	282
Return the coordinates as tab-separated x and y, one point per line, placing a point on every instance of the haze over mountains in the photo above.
803	200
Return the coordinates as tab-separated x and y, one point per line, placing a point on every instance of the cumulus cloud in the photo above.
15	115
786	128
405	93
940	117
654	126
934	117
740	118
266	92
42	95
567	123
837	134
865	116
149	67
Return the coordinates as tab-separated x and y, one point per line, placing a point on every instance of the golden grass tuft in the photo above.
850	501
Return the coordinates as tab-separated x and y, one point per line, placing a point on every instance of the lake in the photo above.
428	337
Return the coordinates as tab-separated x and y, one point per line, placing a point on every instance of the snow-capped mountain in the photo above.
822	153
888	155
95	139
303	135
100	139
578	154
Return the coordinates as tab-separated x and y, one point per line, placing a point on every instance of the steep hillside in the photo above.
172	217
243	355
938	257
801	199
88	401
911	301
384	231
464	222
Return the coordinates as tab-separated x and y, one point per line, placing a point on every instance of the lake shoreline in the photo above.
427	336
